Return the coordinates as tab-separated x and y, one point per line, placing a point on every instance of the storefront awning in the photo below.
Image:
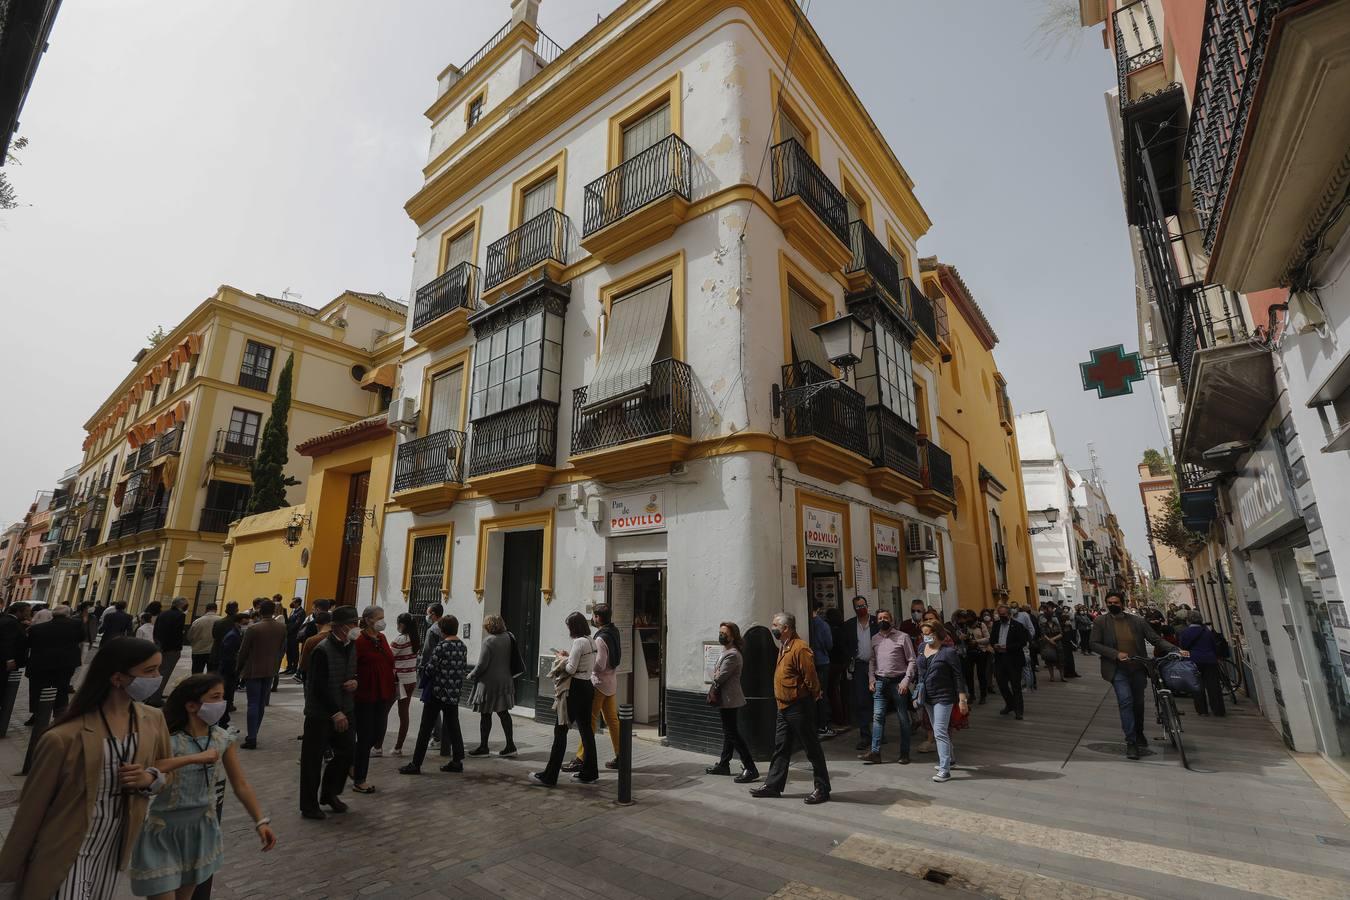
803	317
380	377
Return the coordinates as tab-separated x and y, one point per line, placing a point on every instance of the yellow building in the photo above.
328	546
167	454
975	424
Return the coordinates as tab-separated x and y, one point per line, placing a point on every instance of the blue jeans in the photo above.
889	689
940	717
1130	684
259	691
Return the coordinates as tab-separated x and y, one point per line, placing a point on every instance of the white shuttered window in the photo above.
633	338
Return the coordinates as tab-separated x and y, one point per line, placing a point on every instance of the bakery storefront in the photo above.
636	589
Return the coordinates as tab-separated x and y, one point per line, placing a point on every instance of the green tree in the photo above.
1157	463
154	337
9	198
1171	531
269	478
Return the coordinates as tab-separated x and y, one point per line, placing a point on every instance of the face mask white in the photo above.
379	626
430	620
929	639
211	713
143	687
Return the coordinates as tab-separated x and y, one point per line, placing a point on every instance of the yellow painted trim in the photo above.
778	97
875	518
480	94
473	220
898	245
448	530
673	266
462	358
789	274
851	185
516	522
669	91
556	166
846	552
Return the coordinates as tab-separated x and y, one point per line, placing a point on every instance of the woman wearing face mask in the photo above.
406	646
93	774
729	698
180	846
941	687
374	692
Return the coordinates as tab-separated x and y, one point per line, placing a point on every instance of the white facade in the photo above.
730	543
1048	483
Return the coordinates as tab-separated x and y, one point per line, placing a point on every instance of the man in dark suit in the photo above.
54	655
13	622
857	636
293	624
1009	640
169	630
116	622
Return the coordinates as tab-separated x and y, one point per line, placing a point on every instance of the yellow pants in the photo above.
609	708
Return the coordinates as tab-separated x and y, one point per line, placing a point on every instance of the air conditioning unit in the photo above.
403	411
920	541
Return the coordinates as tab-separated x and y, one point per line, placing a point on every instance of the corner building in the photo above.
611	388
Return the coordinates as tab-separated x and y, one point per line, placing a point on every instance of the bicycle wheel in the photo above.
1172	728
1231	673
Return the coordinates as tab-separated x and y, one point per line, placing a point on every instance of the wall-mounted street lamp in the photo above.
356	522
296	527
843	338
1051	514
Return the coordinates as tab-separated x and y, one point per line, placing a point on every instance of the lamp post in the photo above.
1051	514
842	338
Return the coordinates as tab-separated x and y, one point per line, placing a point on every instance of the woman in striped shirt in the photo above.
406	647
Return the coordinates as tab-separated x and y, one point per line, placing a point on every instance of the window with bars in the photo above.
256	369
428	573
244	427
475	111
886	377
518	364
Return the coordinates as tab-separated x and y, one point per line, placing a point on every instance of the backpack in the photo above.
610	635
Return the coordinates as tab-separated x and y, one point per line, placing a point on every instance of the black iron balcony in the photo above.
795	174
1205	316
816	405
169	441
37	570
893	442
456	289
434	459
88	538
524	436
254	379
217	521
662	170
152	517
235	448
540	239
664	408
921	310
872	257
544	48
937	470
1138	43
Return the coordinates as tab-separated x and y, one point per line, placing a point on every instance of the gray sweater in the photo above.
727	677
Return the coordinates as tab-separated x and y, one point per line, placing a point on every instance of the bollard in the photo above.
7	700
42	717
625	754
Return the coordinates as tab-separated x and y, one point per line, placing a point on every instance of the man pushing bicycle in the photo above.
1115	638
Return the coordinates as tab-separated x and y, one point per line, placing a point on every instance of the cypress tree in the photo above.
269	480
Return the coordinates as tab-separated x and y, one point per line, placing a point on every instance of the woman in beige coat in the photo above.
92	777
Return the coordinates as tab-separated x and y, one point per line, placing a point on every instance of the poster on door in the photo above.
621	614
825	591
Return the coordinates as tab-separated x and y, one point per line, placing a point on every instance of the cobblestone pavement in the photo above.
1040	808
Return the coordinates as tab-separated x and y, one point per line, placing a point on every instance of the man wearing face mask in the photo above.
259	660
330	686
1009	641
1115	638
911	625
796	688
889	675
857	634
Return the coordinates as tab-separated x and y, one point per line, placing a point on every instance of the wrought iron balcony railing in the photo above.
815	405
542	238
217	521
152	517
937	470
921	310
235	448
663	169
1138	42
526	435
1232	49
456	289
893	442
664	408
1209	316
254	379
169	441
433	459
795	174
871	256
544	48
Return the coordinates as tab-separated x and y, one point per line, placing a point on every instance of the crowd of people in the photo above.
131	775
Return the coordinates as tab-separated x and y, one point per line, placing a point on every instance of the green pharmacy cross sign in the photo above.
1111	371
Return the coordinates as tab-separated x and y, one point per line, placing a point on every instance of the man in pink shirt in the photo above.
605	704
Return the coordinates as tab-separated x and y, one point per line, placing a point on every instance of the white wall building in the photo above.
610	387
1049	486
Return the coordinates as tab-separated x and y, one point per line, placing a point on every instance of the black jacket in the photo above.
218	631
331	663
116	623
1016	641
54	646
169	628
11	641
850	636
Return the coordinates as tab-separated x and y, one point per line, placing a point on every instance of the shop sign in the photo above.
826	555
638	513
261	567
821	528
886	540
1263	495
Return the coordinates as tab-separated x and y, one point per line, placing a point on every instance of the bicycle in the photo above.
1164	704
1230	678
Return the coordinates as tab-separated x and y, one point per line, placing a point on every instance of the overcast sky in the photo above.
271	145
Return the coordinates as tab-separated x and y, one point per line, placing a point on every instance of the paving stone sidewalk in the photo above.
1045	807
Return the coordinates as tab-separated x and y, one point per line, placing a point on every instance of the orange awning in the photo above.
380	377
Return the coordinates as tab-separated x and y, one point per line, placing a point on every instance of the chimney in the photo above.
525	11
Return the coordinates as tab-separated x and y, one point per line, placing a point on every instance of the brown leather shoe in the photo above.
870	758
816	797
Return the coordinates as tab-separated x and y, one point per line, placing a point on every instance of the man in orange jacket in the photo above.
796	688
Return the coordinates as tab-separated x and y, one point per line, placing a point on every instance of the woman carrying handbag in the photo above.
726	694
